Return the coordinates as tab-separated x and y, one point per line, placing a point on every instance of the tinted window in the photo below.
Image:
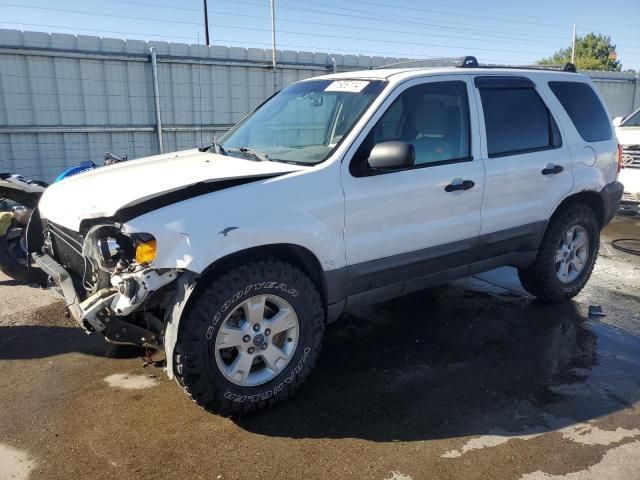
583	106
517	121
433	117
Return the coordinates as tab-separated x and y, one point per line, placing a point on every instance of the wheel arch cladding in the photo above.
591	199
297	255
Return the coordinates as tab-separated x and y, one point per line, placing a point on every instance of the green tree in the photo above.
593	52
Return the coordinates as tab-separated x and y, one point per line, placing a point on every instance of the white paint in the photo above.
130	382
578	432
15	464
620	463
153	175
398	476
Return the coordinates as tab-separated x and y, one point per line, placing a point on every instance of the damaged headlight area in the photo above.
106	276
116	252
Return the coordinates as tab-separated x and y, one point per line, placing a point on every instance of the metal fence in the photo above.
65	99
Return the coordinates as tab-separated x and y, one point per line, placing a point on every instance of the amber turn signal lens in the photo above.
146	252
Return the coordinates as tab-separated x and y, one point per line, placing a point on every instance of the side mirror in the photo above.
617	121
392	156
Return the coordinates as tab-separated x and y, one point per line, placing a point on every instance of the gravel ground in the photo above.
468	380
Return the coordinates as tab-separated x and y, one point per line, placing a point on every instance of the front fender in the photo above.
195	233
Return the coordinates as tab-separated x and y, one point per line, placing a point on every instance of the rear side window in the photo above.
584	108
517	121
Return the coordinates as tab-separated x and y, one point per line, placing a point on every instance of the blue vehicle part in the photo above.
84	166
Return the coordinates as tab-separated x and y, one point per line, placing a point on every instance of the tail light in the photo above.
619	158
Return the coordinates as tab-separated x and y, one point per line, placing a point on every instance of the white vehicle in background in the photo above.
628	133
341	190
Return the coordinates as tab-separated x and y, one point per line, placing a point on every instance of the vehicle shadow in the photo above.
50	333
449	362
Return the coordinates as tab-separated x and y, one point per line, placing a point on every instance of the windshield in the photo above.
633	120
304	122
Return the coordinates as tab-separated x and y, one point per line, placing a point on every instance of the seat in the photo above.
430	120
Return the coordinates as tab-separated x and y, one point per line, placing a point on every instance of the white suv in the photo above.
339	190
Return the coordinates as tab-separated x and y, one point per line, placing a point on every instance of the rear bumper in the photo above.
611	196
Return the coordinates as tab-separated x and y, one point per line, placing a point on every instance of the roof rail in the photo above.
429	62
472	62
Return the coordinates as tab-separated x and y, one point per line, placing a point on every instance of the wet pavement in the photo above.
468	380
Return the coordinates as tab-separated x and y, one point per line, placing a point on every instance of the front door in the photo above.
409	224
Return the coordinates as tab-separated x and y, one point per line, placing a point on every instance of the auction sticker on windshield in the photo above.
351	86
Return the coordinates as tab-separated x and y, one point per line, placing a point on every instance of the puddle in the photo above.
473	363
131	382
15	464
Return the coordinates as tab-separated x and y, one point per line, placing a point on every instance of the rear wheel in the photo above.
250	338
566	257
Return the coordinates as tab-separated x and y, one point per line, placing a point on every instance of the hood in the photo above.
628	135
152	181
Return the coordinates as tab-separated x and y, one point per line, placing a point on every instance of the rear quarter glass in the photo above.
585	110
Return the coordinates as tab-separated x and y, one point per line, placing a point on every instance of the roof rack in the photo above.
427	63
472	62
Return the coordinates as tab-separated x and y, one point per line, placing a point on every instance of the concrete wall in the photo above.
65	99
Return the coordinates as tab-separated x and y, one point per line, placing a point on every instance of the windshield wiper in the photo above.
263	157
217	148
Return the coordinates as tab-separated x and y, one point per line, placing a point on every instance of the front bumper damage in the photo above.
104	311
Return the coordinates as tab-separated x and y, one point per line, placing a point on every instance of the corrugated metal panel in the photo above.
90	85
620	91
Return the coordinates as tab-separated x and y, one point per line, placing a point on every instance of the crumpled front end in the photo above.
106	278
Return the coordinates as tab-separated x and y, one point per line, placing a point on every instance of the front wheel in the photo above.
250	337
566	256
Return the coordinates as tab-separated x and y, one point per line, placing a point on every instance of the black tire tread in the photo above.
188	362
540	279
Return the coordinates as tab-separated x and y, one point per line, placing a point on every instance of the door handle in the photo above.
458	184
552	169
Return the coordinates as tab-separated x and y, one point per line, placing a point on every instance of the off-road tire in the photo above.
540	278
196	369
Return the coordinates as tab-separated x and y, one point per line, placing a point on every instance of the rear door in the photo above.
403	225
527	164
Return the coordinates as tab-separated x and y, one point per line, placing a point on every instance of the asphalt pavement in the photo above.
473	379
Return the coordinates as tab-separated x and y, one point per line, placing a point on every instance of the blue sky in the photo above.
499	31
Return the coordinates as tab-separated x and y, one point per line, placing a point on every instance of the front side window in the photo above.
433	117
304	122
584	108
517	121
